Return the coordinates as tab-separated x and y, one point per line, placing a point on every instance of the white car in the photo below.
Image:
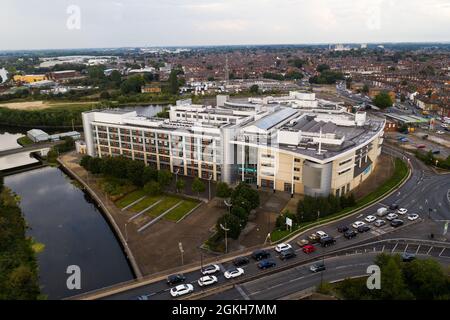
440	132
182	289
357	224
370	218
211	269
233	273
321	234
413	216
283	247
207	281
402	210
379	223
392	216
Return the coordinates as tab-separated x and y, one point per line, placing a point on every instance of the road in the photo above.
30	148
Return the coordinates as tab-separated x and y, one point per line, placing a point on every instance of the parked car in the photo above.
420	146
233	273
364	228
370	218
317	267
436	151
342	229
211	269
260	254
402	210
313	238
381	212
240	261
440	132
321	234
392	216
396	223
265	264
350	234
413	216
394	206
302	243
175	278
327	241
408	257
282	247
287	254
309	248
357	224
207	281
379	223
181	290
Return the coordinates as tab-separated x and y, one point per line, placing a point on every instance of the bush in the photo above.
153	188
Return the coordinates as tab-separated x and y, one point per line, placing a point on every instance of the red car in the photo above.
309	248
420	146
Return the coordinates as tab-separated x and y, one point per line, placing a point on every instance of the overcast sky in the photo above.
41	24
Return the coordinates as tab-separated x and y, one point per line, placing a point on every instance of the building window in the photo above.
297	160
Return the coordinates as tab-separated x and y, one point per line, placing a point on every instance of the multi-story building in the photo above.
295	143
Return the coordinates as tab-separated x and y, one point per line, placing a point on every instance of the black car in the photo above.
240	261
327	241
342	229
394	206
396	223
350	234
175	278
408	257
264	264
317	267
287	254
363	228
260	254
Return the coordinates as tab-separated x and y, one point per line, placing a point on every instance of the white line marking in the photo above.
429	251
443	249
382	250
243	294
406	248
393	249
418	249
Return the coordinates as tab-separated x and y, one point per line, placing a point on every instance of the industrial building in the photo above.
294	143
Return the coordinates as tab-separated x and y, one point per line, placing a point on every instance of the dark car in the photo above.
264	264
317	267
241	261
408	257
327	241
363	228
394	206
342	229
287	254
144	297
396	223
260	254
313	238
175	278
350	234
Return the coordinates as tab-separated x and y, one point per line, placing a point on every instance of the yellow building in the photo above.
29	78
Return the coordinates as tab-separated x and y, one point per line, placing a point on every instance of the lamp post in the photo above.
176	179
180	247
224	228
126	232
209	187
228	204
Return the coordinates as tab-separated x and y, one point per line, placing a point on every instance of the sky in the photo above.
58	24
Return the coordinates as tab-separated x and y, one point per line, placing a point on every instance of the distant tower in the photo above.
227	70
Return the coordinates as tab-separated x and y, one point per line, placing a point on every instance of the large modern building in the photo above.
294	143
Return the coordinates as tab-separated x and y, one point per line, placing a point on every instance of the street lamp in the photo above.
224	228
209	187
126	232
180	247
228	204
176	179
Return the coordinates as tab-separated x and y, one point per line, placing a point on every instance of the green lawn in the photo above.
167	203
179	212
141	205
130	198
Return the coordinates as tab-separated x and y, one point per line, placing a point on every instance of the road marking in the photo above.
443	249
429	251
406	248
418	249
243	294
222	268
393	249
383	248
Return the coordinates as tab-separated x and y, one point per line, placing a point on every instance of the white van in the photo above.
382	212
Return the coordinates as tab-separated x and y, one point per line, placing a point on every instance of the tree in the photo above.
223	190
105	95
152	188
232	223
135	170
173	82
365	89
180	185
254	89
149	174
116	77
132	85
85	161
164	178
198	186
244	192
392	282
241	213
348	83
322	67
382	100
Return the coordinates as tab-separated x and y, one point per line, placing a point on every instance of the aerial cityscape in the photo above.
293	151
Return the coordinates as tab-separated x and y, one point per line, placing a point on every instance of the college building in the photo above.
294	143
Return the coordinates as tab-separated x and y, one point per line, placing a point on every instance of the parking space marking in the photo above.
428	253
440	254
393	249
406	248
382	250
243	294
418	249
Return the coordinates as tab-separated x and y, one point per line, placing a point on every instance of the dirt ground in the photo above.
36	105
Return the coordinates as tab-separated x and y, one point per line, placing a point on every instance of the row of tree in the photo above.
429	159
313	208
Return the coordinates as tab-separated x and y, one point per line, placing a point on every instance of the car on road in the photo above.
207	281
302	243
408	256
287	254
265	264
357	224
402	210
181	290
211	269
327	241
381	212
370	218
313	238
396	223
260	254
420	146
364	228
379	223
342	229
317	267
413	216
350	234
175	279
233	273
309	248
394	206
144	297
282	247
321	234
240	261
392	216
